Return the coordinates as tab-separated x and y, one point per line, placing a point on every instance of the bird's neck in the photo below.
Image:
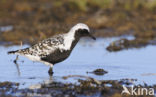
74	42
72	39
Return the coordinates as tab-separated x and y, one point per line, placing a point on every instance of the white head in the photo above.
80	26
81	30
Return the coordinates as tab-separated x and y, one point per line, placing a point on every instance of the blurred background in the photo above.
32	20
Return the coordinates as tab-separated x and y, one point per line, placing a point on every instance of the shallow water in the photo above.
5	28
87	56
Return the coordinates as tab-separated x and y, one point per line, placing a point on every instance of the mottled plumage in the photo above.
45	47
57	48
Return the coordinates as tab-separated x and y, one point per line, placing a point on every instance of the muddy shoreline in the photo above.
85	88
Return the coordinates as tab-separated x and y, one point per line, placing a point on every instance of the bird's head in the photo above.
82	30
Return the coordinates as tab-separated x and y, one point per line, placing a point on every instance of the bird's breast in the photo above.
57	56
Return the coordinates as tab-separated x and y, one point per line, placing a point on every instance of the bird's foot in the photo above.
15	61
50	71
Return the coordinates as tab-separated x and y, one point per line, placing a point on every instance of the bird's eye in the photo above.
83	32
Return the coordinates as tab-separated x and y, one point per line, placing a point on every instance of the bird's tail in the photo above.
13	52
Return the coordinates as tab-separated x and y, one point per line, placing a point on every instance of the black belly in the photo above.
57	56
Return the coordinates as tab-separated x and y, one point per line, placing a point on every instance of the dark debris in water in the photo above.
7	88
99	72
32	78
127	81
126	44
8	84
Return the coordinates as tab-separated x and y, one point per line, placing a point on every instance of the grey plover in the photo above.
57	48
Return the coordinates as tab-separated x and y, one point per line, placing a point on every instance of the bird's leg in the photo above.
15	61
50	71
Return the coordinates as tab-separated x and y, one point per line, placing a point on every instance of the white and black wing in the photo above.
43	48
47	46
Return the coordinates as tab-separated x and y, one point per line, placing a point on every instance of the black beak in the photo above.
90	35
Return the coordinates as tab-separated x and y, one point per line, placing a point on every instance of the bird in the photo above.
56	48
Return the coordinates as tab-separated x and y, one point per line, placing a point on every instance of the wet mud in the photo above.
85	88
